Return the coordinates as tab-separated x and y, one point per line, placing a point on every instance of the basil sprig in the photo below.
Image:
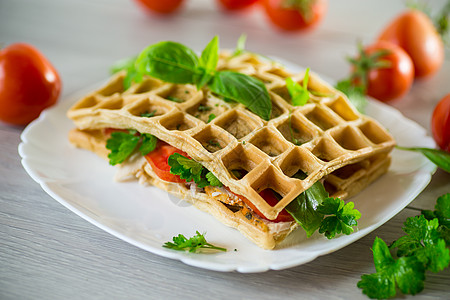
176	63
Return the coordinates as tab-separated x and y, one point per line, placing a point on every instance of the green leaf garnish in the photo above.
343	217
123	64
299	93
439	157
422	248
212	179
193	244
148	114
176	63
304	208
170	62
174	99
148	143
310	208
406	273
190	170
240	46
208	62
204	108
123	144
244	89
356	94
211	117
442	214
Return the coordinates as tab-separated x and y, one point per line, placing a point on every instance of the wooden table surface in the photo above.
48	252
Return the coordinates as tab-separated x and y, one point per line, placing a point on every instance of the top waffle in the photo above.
327	139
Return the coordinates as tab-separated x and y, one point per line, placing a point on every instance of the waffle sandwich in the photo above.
327	140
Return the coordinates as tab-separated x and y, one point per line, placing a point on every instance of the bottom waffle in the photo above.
216	201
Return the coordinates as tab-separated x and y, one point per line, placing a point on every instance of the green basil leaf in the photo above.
244	89
304	208
438	157
169	61
208	62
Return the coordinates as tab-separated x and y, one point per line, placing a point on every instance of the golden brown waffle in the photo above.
327	139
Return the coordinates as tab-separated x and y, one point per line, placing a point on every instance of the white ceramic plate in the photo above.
147	217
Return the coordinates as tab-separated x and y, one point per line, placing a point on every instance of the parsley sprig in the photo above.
422	248
190	170
193	244
123	144
315	210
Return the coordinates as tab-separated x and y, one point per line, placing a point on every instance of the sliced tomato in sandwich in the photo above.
158	160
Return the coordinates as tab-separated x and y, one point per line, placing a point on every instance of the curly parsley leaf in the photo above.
342	217
192	244
406	273
422	248
442	213
184	167
314	209
123	144
423	240
299	93
212	179
148	143
190	170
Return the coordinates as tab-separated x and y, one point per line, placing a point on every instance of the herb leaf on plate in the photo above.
406	273
422	248
192	244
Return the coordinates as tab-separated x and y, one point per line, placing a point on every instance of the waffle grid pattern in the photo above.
327	139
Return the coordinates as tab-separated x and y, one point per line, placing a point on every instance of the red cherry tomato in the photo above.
158	160
236	4
160	6
393	81
440	123
269	196
300	15
415	33
28	84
